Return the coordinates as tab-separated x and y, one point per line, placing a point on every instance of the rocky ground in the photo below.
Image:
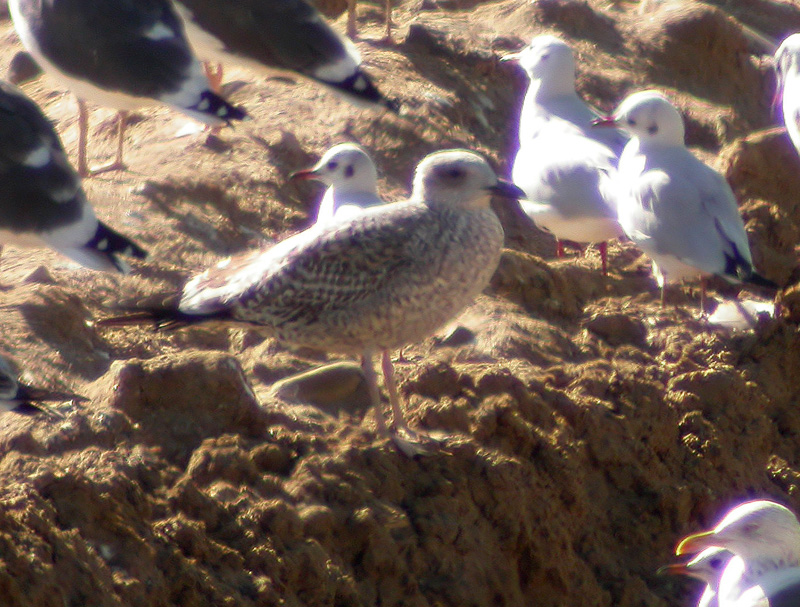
588	428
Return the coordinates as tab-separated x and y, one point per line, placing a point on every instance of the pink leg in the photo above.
604	256
214	73
559	249
83	130
374	393
351	19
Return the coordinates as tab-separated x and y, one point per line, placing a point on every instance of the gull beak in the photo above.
697	542
304	174
513	57
506	189
605	121
673	569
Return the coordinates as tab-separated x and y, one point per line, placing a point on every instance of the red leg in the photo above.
559	249
604	256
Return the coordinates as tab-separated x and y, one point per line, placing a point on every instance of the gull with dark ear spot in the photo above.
42	202
764	538
123	54
708	567
22	398
352	182
679	211
787	68
564	166
283	35
387	277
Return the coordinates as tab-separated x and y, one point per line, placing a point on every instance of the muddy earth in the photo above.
587	428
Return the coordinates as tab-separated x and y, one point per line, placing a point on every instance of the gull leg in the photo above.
117	164
3	287
409	441
388	20
351	19
83	128
603	247
214	74
559	249
703	285
374	393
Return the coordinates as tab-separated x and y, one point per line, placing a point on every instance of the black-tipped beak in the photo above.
606	121
506	189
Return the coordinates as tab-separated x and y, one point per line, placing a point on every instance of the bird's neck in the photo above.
540	91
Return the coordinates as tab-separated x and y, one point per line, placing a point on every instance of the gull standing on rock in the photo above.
708	567
269	35
678	210
42	202
787	68
124	54
352	182
765	540
564	166
388	277
19	397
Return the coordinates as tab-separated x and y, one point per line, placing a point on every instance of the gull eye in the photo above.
332	165
545	56
349	171
652	129
715	563
454	173
631	122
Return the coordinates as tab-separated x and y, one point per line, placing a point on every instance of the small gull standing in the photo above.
124	54
708	567
390	276
42	202
787	68
269	35
22	398
352	182
765	539
678	210
564	166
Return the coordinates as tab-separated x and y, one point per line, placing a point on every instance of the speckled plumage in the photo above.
382	280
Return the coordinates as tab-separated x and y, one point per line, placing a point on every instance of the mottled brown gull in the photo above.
388	277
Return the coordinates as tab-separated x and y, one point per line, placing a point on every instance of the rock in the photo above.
336	388
618	329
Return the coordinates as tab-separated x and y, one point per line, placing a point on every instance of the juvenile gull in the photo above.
285	35
42	202
787	68
765	539
123	54
19	397
352	182
390	276
564	166
678	210
708	567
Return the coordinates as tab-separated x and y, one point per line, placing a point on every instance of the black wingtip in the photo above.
360	88
161	317
212	104
760	281
111	243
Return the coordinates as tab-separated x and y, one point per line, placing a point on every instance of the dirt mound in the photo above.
585	428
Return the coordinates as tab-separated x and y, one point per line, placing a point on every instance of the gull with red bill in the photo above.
564	167
679	211
708	567
764	538
352	182
390	276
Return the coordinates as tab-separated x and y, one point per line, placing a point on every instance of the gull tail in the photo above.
161	317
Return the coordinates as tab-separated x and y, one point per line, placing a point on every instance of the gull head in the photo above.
346	167
459	178
649	117
787	58
549	60
707	566
764	534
